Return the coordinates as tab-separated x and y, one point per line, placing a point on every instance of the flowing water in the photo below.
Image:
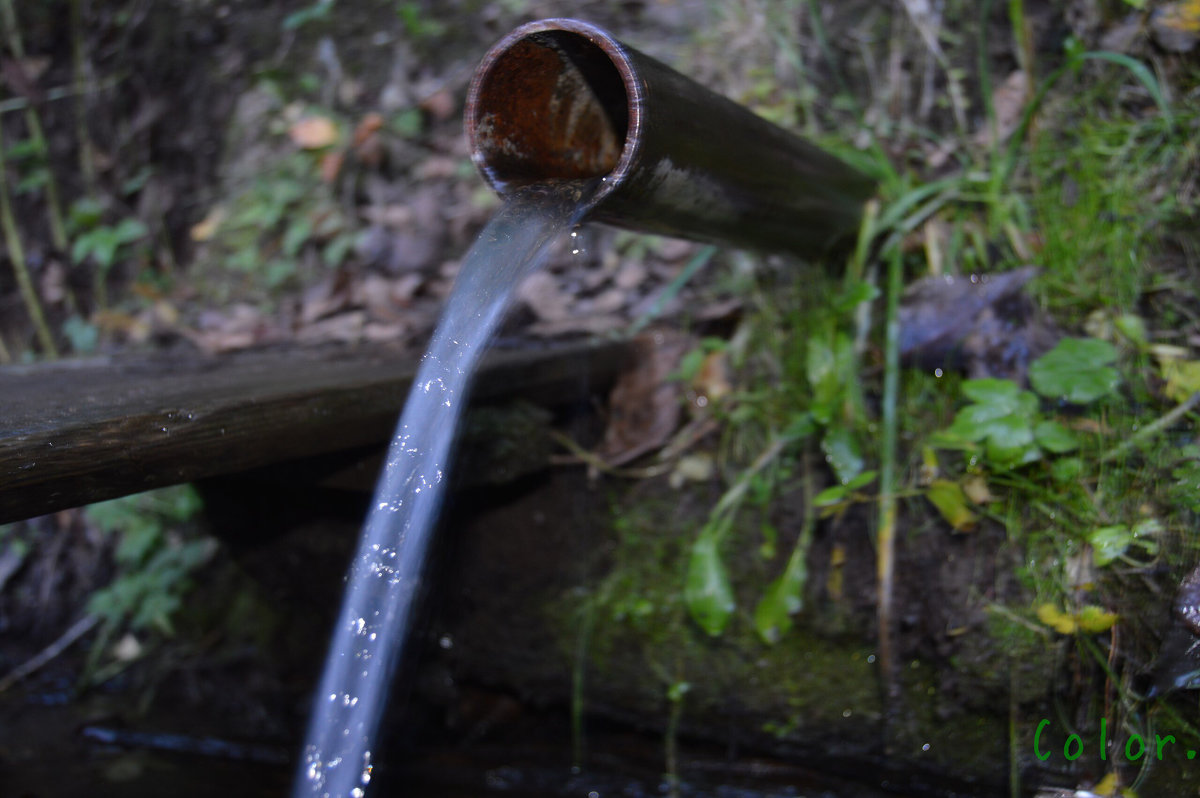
385	575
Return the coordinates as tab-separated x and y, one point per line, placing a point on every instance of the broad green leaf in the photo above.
1054	437
1077	370
129	230
707	591
842	453
1109	543
951	502
993	391
1066	469
1001	418
783	599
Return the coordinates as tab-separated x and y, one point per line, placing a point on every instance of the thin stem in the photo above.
885	560
58	230
17	254
1153	428
87	163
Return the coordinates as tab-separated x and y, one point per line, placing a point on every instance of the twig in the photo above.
55	94
593	460
17	254
1153	428
78	630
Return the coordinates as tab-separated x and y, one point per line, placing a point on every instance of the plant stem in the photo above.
58	230
886	540
578	673
17	254
1153	428
87	163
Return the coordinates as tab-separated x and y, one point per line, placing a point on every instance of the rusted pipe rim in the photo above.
556	99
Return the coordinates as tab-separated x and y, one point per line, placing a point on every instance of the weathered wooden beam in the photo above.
74	433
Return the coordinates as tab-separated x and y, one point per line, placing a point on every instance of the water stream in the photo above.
385	574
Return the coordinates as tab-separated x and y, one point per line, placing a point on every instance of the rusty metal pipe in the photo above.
561	99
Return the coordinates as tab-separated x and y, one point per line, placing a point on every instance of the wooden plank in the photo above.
75	433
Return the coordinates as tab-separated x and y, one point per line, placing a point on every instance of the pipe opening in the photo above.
551	105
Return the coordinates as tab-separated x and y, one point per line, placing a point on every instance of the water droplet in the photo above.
846	713
925	747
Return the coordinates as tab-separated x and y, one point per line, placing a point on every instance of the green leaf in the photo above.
1054	437
129	230
1002	418
1133	327
783	599
1066	469
677	690
33	180
1109	543
84	214
831	496
951	502
842	453
707	591
799	427
854	295
1142	73
316	12
829	367
82	334
1077	370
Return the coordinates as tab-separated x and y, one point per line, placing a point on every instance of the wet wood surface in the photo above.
78	432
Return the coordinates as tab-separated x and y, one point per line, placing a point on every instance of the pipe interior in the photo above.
552	106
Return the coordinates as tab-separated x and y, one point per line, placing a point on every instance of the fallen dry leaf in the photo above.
330	296
313	132
346	328
367	127
644	406
331	165
440	105
1009	100
206	228
712	381
1176	26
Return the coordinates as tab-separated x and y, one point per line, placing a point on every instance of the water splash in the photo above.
385	574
